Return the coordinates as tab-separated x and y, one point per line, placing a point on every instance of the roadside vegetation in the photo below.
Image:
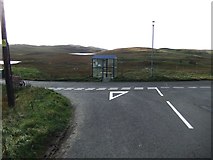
133	64
40	115
27	72
169	65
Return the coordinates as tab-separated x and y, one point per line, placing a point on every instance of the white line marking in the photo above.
192	87
112	89
151	87
156	88
126	88
51	88
159	92
58	89
68	89
101	89
89	89
138	88
78	89
179	115
120	93
205	87
165	87
178	87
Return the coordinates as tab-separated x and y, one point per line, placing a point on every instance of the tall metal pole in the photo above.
6	58
153	25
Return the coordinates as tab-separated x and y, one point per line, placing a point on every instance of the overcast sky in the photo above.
110	23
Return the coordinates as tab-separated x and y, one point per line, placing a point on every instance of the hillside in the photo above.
145	49
30	49
54	63
169	64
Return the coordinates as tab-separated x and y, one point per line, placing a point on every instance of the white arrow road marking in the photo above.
156	88
120	93
179	115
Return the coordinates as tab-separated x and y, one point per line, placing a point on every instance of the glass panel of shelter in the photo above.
104	68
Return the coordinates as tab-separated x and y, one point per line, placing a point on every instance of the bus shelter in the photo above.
104	66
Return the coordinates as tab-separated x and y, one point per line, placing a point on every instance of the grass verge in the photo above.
38	117
161	75
27	73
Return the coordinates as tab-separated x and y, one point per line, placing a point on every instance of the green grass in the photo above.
133	64
39	116
29	73
162	75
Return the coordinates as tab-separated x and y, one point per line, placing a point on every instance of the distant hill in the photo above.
121	51
31	49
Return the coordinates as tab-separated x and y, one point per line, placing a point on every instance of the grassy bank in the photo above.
38	117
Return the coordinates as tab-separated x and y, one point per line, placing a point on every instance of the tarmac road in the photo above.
149	120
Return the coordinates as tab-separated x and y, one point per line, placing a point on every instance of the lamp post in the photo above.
153	25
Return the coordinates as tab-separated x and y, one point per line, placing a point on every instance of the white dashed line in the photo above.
126	88
78	89
51	88
177	87
68	89
179	115
192	87
100	89
205	87
164	87
138	88
89	89
151	87
111	89
58	89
